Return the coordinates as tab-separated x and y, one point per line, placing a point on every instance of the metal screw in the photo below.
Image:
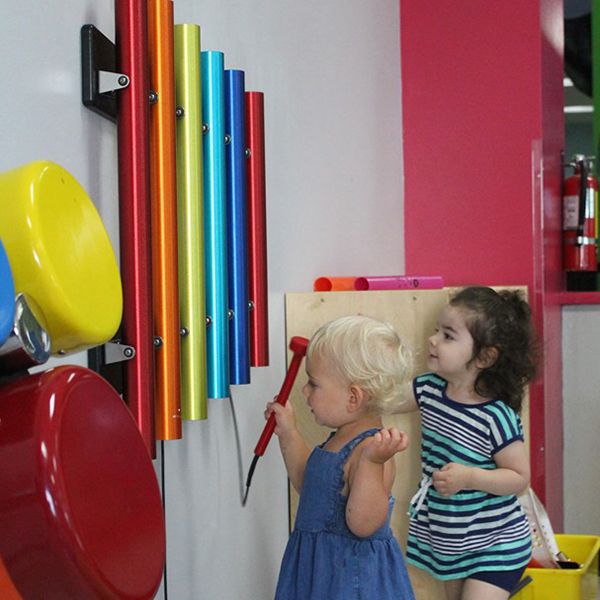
127	352
227	139
230	314
251	305
184	331
204	128
123	80
208	321
179	112
248	153
153	97
158	342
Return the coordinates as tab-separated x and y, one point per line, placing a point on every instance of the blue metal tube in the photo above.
237	226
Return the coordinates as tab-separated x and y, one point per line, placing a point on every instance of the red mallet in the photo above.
298	346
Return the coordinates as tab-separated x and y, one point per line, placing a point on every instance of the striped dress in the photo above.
454	537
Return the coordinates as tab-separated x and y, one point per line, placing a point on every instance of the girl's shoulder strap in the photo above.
327	439
347	449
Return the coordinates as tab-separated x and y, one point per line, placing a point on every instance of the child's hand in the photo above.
451	478
284	417
384	444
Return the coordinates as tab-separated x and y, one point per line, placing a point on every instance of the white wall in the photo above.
330	74
581	384
581	402
331	77
42	116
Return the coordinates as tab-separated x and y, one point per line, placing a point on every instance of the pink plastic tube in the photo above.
399	282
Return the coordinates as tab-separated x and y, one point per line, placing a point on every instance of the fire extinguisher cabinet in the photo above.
579	226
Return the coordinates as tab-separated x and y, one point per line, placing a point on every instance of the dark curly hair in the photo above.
501	320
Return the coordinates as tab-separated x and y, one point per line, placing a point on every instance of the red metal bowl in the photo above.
80	508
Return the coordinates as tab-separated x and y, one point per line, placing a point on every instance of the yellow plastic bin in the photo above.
567	584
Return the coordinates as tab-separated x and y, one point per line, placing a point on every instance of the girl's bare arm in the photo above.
294	450
511	477
370	481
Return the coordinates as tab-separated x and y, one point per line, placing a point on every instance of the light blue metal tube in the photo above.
237	226
215	224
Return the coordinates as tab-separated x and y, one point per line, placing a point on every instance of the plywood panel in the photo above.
413	314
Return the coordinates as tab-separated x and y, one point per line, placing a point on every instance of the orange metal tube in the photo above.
163	195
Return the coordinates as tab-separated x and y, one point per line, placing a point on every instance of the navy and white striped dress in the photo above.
454	537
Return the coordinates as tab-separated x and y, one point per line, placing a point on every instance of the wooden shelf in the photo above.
567	298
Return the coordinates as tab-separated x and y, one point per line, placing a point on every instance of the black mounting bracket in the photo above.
108	361
99	81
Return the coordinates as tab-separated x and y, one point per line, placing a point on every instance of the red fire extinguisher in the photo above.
579	217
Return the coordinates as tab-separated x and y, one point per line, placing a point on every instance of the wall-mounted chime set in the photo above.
181	318
192	217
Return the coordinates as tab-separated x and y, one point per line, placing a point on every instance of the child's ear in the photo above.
487	357
358	398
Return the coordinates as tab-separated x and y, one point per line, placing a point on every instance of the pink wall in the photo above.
482	111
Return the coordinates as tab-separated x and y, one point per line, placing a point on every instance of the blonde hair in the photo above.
367	353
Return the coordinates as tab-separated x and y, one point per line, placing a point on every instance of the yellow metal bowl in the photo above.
60	255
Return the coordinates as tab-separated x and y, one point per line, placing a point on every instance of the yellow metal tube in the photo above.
191	224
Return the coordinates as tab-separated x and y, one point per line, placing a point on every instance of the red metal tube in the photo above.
134	212
257	230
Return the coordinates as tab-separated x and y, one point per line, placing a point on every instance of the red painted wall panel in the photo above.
471	108
483	130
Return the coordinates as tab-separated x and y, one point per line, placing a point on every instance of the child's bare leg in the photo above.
481	590
453	589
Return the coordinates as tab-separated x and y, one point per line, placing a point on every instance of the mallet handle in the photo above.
284	392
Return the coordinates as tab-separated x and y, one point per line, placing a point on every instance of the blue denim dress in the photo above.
323	559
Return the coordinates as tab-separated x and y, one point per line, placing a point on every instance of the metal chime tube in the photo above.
163	196
237	224
215	231
257	230
192	305
134	213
